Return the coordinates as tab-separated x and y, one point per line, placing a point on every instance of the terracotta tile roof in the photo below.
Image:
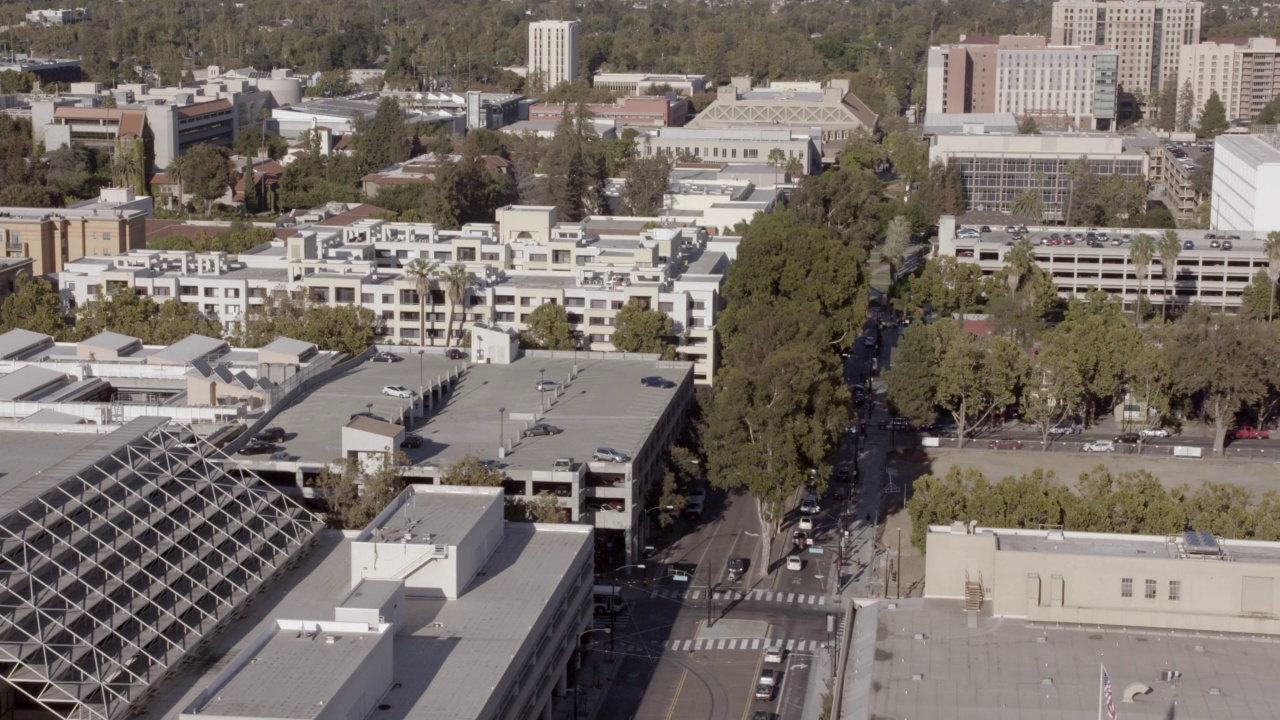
203	108
860	110
132	122
359	212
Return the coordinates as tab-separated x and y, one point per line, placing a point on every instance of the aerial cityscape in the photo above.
650	360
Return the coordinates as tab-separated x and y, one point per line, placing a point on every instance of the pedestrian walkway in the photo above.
741	644
756	595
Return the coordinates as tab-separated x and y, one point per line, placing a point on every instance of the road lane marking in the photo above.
675	699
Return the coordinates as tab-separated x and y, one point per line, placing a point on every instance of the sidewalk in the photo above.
595	678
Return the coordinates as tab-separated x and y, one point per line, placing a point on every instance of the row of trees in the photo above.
37	307
1200	366
794	297
1175	108
637	329
1132	502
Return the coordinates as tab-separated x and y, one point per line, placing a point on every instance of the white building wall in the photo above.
1246	184
553	51
936	81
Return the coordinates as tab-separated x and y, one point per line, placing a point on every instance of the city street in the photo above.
695	649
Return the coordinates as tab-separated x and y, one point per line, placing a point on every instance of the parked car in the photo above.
411	440
1154	433
1004	444
1061	430
806	523
698	496
1215	245
655	381
896	423
605	454
844	473
387	357
809	505
282	456
547	386
795	562
257	447
1226	245
399	391
564	463
1099	446
1188	245
1249	432
769	676
1129	438
455	354
985	228
773	655
693	509
542	429
764	692
271	434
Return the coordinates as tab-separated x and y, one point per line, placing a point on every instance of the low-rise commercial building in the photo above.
1203	274
627	112
112	224
1245	72
60	16
650	83
795	106
998	168
728	146
1246	183
1057	85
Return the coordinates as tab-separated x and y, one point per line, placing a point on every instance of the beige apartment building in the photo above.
51	237
1192	581
1149	34
553	51
1026	76
1245	72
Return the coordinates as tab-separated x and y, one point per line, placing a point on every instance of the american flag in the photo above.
1106	695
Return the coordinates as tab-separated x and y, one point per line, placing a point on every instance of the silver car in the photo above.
605	454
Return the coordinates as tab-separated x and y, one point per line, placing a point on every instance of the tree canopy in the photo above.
638	329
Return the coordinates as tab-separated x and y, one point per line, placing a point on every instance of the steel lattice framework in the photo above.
113	572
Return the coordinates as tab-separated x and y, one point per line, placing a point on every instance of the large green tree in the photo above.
344	328
356	492
207	173
1087	354
646	188
978	377
639	329
548	328
1213	118
384	140
153	323
471	470
912	382
34	306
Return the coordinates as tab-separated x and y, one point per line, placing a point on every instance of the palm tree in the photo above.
1141	252
423	272
795	168
1169	248
124	167
777	158
1271	246
897	239
1020	259
174	171
1028	205
457	280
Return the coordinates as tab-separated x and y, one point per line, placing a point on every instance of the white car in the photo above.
795	562
1061	430
399	391
1154	432
806	523
1100	446
773	656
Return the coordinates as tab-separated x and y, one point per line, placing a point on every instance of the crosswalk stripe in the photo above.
687	644
755	644
822	600
791	645
694	594
791	597
733	644
697	644
720	644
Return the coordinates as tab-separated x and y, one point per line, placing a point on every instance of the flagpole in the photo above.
1101	671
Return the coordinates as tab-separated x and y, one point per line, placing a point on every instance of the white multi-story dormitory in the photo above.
592	269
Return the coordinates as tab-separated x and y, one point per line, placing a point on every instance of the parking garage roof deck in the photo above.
605	405
1249	241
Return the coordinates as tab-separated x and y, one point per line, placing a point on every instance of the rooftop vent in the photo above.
330	639
917	676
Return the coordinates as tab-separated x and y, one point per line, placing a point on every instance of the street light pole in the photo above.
502	436
898	592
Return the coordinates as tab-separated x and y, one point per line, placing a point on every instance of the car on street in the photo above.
844	473
736	567
795	562
1154	433
546	386
896	423
387	357
763	715
655	381
693	509
800	539
1004	444
773	655
271	434
768	676
411	440
698	496
542	429
1129	438
258	447
869	341
1061	430
809	505
764	692
1099	446
605	454
1249	432
455	354
806	523
399	391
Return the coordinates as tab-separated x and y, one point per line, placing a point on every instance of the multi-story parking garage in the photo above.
121	554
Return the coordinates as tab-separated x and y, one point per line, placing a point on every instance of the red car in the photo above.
1004	444
1249	432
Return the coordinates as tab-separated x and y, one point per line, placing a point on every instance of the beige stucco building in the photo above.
1149	34
1244	72
112	224
553	51
1191	582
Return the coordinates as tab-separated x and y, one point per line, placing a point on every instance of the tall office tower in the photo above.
1149	34
553	51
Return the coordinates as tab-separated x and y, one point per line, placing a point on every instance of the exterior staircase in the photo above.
972	594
